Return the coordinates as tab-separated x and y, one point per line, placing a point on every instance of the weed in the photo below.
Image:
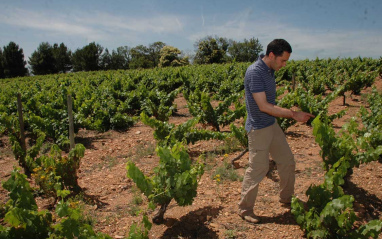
137	199
230	234
145	149
134	210
224	172
87	216
111	161
209	160
227	172
110	219
265	199
108	161
231	144
241	228
120	212
308	171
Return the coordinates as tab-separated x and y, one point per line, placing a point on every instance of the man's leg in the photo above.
283	156
258	144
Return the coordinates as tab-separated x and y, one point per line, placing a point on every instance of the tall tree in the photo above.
13	61
88	58
247	51
170	56
154	51
42	60
140	57
106	60
77	60
211	50
145	57
120	59
62	57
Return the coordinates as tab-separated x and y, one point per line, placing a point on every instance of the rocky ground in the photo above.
113	203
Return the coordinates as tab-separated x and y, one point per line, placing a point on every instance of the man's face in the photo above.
279	62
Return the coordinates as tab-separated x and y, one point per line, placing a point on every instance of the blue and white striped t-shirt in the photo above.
259	78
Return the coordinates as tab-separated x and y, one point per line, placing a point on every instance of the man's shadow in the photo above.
285	218
192	225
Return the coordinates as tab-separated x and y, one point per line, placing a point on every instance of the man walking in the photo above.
264	134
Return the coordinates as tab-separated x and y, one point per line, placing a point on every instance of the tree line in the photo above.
57	58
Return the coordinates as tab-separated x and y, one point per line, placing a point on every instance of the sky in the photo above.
315	29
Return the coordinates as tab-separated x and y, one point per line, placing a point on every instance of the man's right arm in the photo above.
276	111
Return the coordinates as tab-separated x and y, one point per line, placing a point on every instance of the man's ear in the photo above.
272	56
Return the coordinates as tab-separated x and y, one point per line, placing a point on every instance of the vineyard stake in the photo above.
21	122
71	125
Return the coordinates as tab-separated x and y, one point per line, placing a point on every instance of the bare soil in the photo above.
113	201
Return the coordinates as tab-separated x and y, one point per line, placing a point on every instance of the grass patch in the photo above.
108	161
145	149
231	145
137	199
230	234
134	205
209	160
308	171
225	171
87	215
134	210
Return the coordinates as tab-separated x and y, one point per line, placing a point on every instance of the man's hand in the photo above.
301	116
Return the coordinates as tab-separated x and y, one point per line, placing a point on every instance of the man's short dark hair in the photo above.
278	46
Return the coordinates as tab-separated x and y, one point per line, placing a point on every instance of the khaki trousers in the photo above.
262	142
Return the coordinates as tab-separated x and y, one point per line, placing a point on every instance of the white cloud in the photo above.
91	25
156	24
306	43
56	24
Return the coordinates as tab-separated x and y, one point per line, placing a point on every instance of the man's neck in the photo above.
267	61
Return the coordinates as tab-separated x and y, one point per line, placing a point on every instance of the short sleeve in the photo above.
255	82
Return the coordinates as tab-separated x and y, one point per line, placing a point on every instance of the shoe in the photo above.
251	218
283	201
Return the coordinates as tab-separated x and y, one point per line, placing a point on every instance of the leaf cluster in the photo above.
199	105
329	211
176	177
169	134
24	220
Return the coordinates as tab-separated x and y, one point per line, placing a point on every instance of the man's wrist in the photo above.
293	114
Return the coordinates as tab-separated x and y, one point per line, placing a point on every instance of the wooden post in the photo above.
22	137
21	122
71	124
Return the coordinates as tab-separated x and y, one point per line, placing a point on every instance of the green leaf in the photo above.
371	229
16	217
318	234
62	209
143	183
